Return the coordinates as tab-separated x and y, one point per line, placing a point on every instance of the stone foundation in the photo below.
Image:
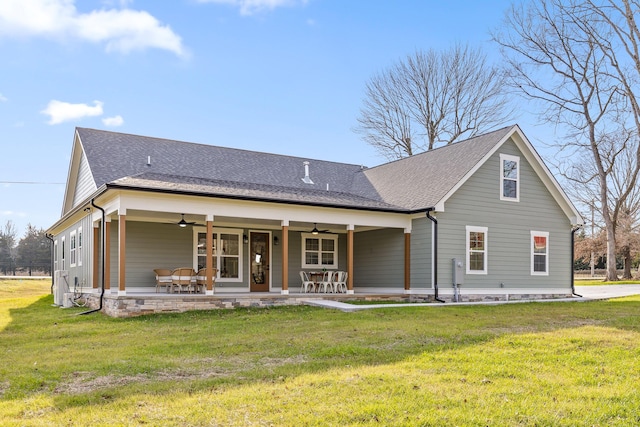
137	305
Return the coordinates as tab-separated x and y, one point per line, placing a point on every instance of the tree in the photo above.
34	250
432	98
559	53
7	248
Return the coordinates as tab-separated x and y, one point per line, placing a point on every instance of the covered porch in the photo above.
245	247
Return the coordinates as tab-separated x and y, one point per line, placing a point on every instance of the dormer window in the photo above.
509	178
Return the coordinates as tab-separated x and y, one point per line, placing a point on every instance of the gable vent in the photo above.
307	178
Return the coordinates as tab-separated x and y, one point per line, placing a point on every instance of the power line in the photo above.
32	182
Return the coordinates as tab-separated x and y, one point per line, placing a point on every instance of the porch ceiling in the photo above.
226	221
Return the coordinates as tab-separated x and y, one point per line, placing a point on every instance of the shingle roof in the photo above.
408	184
422	180
250	191
113	155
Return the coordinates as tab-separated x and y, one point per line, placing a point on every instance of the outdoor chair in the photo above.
326	284
307	284
201	279
340	282
163	279
183	278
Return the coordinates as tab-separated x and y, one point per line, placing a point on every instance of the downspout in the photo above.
50	237
435	253
573	238
103	260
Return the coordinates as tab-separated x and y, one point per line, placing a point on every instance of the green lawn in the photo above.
530	364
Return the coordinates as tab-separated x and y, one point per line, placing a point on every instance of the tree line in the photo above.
32	253
576	66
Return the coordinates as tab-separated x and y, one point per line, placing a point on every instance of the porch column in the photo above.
209	264
350	228
96	256
107	254
284	244
407	260
122	252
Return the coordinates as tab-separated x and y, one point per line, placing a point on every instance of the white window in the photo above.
72	249
509	178
476	250
79	252
63	263
540	253
319	251
227	253
55	255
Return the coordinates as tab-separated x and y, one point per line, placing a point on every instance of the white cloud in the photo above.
59	111
123	30
113	121
3	98
250	7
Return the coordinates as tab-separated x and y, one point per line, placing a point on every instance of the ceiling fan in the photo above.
316	231
183	223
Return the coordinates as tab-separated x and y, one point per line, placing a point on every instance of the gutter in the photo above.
103	260
77	209
50	237
573	238
435	253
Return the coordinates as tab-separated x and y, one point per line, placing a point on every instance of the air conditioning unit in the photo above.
60	286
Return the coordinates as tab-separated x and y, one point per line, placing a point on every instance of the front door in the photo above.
259	258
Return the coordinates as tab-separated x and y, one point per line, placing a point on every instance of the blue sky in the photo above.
281	76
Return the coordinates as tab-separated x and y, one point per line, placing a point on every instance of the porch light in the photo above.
276	241
245	239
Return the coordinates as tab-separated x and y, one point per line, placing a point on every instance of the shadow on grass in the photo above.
95	359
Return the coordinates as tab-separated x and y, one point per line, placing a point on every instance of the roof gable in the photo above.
80	182
425	179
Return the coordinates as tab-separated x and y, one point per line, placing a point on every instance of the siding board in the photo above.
478	203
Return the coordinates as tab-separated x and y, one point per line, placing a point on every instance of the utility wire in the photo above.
32	182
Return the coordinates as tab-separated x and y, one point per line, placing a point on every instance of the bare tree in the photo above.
558	53
432	98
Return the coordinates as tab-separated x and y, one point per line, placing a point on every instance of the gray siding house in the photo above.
479	218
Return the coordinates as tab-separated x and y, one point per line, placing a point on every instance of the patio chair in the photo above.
201	279
340	282
184	278
308	285
326	284
163	279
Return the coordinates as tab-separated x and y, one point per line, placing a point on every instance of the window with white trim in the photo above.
227	253
72	249
509	178
55	255
319	251
79	251
539	253
476	249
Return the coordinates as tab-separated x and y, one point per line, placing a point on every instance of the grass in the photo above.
600	282
543	364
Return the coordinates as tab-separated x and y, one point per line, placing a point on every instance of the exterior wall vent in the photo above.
307	178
